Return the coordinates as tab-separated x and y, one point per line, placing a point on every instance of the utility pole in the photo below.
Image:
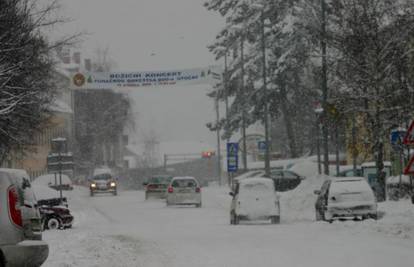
218	138
325	133
243	93
266	105
226	101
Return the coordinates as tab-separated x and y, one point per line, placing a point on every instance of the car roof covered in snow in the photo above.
373	164
103	170
249	174
16	172
349	184
43	192
183	178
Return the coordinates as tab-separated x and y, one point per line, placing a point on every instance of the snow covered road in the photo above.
126	230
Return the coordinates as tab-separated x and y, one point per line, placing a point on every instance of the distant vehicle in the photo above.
103	183
53	181
184	191
20	223
349	197
285	180
55	213
156	186
255	199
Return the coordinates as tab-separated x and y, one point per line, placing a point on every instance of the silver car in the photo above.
184	191
20	222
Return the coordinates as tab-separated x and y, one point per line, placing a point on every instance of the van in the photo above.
20	222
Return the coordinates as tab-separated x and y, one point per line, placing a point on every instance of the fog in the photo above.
154	35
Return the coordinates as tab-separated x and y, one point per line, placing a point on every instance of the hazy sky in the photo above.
154	35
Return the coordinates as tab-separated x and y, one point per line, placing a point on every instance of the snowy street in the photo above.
126	230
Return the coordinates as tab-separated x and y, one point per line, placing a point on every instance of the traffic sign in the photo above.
261	145
396	138
409	169
409	137
232	157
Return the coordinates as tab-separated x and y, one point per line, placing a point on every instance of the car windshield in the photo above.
180	183
159	180
104	176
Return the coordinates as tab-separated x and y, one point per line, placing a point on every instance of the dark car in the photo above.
103	183
55	214
285	180
156	186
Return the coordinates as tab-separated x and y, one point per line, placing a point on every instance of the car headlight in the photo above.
113	184
93	185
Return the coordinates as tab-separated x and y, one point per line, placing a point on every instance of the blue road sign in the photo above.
232	157
396	138
261	145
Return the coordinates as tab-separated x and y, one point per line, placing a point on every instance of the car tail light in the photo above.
15	213
152	186
198	190
170	190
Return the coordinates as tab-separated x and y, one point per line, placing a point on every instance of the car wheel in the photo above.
374	216
198	205
115	193
2	260
53	223
275	219
320	215
91	193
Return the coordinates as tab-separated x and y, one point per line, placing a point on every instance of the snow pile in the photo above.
395	180
299	203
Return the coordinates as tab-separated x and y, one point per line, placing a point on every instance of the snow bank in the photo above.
299	203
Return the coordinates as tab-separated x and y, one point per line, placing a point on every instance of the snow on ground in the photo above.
126	230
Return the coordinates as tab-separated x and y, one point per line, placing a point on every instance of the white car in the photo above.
255	199
184	191
345	197
20	222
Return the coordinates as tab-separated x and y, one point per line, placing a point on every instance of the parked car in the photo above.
54	211
349	197
184	191
103	183
255	199
20	223
285	180
156	186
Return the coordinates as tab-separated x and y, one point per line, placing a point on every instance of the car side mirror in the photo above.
144	183
231	194
317	192
25	183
